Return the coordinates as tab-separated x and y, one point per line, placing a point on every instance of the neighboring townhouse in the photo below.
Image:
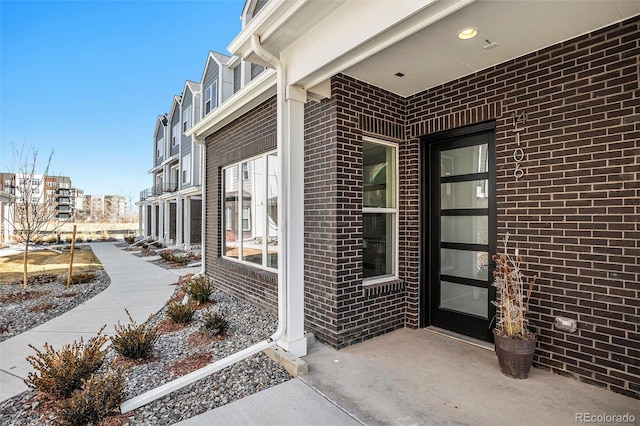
372	171
171	211
7	207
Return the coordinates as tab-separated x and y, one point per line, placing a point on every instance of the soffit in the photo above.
434	55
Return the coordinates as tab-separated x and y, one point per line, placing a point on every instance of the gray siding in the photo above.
256	70
213	72
159	134
175	120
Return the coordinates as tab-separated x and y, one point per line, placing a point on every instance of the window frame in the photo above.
186	119
239	215
175	130
212	99
394	211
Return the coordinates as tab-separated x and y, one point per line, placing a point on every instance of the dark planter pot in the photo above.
515	356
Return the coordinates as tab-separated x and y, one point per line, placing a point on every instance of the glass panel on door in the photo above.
462	199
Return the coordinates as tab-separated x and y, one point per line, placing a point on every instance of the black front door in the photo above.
460	229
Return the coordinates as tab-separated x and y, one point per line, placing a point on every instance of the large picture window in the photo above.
379	211
250	211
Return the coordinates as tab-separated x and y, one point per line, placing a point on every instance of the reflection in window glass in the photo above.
464	298
272	211
250	211
464	229
462	161
464	195
464	263
230	248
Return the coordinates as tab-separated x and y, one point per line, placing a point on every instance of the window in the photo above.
174	134
159	146
186	168
246	217
250	203
379	211
186	119
211	97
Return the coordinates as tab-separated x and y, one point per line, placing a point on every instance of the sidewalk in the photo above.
136	285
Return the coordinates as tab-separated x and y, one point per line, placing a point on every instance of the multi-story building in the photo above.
7	206
372	171
171	210
51	195
104	208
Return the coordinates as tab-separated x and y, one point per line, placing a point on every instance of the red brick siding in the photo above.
576	212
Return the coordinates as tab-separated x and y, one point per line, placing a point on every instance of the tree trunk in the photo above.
25	276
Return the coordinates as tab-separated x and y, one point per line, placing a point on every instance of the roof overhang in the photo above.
374	40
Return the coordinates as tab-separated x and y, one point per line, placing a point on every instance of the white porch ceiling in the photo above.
434	55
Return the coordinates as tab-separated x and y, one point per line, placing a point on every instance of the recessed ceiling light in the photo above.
467	33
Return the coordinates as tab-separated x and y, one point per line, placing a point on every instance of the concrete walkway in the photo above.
418	377
136	285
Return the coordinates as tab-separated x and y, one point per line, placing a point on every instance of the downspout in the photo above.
179	383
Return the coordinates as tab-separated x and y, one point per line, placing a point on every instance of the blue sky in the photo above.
87	79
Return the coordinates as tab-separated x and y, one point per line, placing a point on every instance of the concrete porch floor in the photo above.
412	377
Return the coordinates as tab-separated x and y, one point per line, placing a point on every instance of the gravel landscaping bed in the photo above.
44	299
179	350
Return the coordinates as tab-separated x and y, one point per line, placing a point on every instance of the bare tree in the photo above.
35	212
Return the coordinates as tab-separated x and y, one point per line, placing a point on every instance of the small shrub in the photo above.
78	278
172	256
61	372
129	239
156	244
199	289
182	314
146	251
134	341
99	397
214	323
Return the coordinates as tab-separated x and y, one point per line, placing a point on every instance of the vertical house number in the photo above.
518	153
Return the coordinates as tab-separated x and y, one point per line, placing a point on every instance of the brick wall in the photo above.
250	135
576	211
339	309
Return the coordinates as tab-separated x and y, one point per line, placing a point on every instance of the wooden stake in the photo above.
73	245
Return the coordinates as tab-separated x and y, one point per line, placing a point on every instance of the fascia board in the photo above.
257	91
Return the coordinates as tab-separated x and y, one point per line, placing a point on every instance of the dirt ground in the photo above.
46	262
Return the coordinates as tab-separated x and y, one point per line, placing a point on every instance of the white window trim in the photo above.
175	135
186	167
395	211
265	241
160	147
186	122
213	97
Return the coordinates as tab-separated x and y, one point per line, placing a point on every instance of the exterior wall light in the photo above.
467	33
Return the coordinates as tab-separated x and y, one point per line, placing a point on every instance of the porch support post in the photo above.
154	221
187	223
291	159
179	222
166	221
140	218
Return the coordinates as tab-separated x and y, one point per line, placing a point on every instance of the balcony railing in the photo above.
144	194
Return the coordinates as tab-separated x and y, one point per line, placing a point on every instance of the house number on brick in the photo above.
518	153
